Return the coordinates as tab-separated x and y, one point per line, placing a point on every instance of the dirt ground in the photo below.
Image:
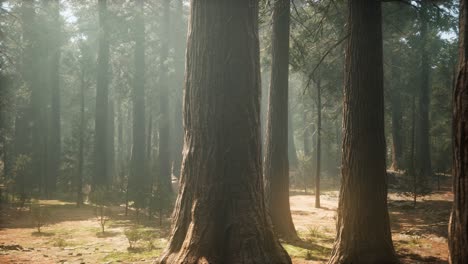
74	235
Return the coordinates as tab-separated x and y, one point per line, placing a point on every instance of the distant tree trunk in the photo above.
54	68
397	120
220	214
411	165
24	111
363	223
423	152
179	48
164	178
319	144
149	140
120	140
305	133
39	104
458	233
276	166
79	182
111	141
138	185
101	120
292	153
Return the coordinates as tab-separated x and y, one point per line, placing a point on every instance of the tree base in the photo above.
363	256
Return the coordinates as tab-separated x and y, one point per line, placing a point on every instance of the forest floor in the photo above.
74	234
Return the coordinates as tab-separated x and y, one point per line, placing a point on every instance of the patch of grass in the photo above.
72	231
294	251
415	240
313	252
132	256
59	242
149	237
42	234
106	234
315	234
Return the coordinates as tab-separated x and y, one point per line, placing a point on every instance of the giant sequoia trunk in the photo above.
220	214
276	166
458	235
137	182
101	120
363	228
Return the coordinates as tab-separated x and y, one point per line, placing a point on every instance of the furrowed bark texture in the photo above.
220	214
363	228
458	233
276	166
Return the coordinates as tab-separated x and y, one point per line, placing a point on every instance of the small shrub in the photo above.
60	242
314	233
304	168
100	197
22	173
133	236
148	238
412	185
103	214
40	216
415	240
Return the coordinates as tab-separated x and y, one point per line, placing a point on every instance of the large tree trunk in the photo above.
363	228
423	152
220	214
276	166
458	235
137	183
164	179
101	120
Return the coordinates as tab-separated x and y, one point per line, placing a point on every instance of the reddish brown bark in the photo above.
458	235
363	228
220	214
276	166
